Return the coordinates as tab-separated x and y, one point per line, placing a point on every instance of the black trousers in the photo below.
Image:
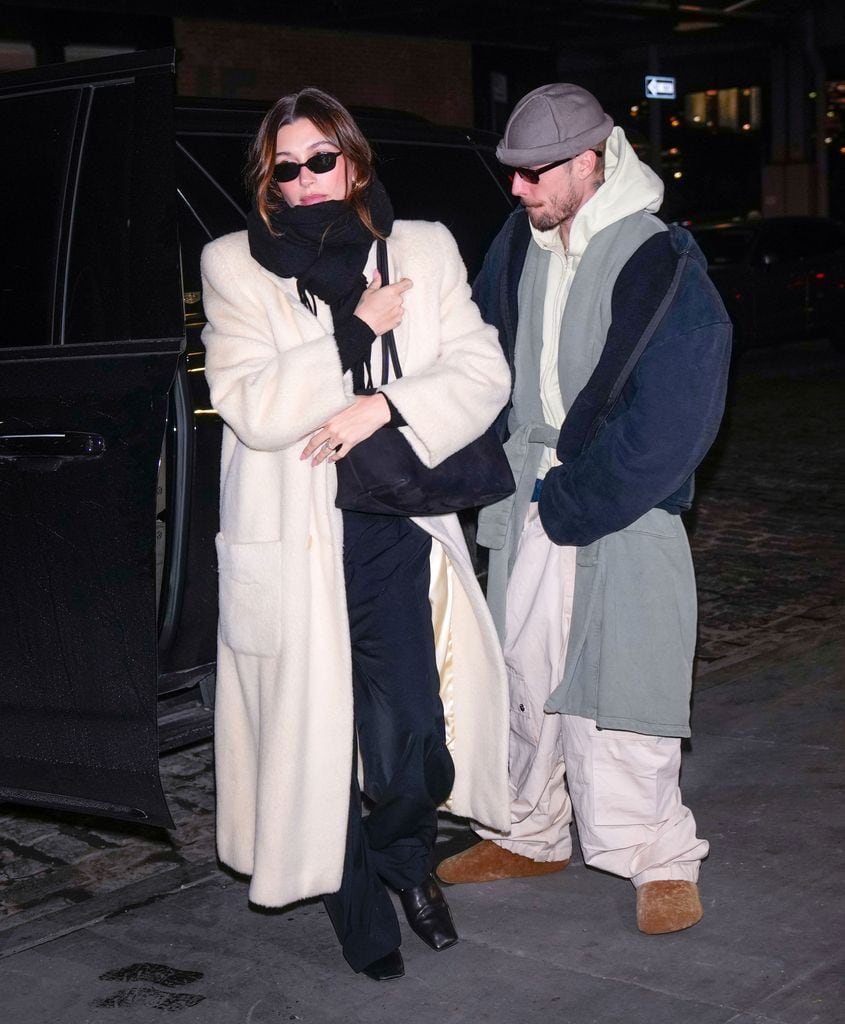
408	771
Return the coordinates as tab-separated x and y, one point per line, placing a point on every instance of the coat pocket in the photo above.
634	778
525	710
656	523
250	584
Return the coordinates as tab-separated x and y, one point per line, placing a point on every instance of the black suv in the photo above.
109	447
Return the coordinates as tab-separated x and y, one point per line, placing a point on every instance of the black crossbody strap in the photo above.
637	351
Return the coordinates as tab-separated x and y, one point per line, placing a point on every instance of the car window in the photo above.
789	239
98	306
193	236
722	246
207	208
830	238
122	270
222	159
802	238
446	183
39	131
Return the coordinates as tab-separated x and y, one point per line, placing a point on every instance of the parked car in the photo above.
109	447
781	278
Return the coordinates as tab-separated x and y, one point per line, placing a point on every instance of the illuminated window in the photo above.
695	106
728	103
732	110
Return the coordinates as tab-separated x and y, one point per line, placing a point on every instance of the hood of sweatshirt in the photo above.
630	186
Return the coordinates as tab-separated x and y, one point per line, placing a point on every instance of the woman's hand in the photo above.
342	432
381	306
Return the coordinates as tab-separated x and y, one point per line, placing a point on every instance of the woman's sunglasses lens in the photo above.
320	163
286	171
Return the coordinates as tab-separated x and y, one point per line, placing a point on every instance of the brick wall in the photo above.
432	78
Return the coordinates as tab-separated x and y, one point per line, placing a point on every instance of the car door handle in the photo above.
49	451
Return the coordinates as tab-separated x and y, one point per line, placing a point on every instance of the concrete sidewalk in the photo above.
764	779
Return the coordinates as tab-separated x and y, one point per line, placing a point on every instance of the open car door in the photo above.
91	329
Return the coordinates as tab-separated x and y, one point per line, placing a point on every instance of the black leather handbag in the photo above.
383	475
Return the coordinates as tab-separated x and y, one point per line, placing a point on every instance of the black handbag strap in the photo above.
389	355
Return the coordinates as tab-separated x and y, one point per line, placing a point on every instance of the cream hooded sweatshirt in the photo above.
629	186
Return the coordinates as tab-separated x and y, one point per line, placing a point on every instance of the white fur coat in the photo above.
284	723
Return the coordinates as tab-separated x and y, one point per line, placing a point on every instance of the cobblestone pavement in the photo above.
767	538
768	527
52	862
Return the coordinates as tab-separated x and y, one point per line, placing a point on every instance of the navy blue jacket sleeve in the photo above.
666	419
495	289
485	288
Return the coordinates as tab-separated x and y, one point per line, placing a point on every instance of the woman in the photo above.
317	605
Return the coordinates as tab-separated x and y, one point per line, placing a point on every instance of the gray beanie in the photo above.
552	123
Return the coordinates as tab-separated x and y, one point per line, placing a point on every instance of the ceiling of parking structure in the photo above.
551	23
546	24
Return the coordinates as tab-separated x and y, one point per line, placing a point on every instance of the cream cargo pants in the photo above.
622	786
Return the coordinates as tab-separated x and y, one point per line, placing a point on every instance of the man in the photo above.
613	330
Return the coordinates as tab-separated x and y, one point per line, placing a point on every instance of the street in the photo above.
102	922
767	526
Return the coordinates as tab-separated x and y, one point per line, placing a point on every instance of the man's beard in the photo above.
554	211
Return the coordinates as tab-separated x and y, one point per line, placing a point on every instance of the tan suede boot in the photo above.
668	905
488	862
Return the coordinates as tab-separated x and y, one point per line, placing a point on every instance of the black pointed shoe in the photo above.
428	914
386	968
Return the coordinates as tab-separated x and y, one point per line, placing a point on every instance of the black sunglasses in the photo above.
532	175
319	163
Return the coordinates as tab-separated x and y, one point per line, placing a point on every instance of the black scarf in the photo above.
324	247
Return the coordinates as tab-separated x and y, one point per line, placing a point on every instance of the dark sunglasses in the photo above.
319	163
532	175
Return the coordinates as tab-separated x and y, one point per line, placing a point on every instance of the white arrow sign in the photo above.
659	87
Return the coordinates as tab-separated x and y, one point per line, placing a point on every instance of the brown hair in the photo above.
339	128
